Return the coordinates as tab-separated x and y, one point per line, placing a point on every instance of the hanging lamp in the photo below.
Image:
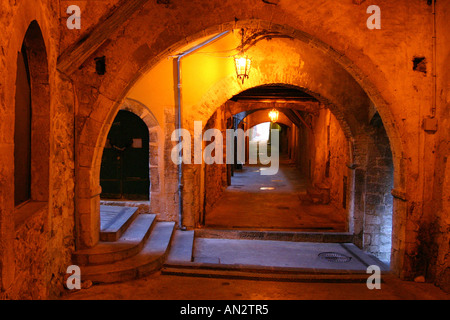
242	62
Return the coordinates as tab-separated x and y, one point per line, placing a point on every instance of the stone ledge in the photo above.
295	236
25	211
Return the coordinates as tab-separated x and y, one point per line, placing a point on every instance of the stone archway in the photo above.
156	146
222	91
92	126
261	116
156	160
213	178
359	137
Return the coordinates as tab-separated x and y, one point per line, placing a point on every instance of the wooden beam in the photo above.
71	59
307	106
290	114
302	120
297	119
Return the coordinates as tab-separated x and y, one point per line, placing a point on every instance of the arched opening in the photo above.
307	192
146	202
317	187
32	126
346	97
125	163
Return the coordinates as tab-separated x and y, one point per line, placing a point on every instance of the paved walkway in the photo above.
160	287
276	202
284	254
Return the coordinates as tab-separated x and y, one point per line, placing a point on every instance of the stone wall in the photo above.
31	256
323	155
37	239
170	199
215	175
439	232
378	198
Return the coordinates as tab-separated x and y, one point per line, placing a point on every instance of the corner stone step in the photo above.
207	270
129	244
115	220
243	272
181	249
149	260
295	236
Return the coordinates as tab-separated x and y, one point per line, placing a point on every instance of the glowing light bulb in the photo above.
273	115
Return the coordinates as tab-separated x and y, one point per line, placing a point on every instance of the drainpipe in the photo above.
178	99
433	108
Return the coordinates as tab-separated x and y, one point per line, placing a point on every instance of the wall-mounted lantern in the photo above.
242	62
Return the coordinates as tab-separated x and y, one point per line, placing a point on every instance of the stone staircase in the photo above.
183	261
134	245
131	246
294	236
244	272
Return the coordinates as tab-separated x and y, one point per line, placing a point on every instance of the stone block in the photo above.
372	220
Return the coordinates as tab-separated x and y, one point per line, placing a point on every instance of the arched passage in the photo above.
306	193
363	156
345	110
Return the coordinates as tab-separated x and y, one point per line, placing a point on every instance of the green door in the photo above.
125	164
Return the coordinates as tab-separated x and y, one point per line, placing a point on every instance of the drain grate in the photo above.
334	257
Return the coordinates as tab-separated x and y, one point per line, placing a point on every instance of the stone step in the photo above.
128	245
182	247
211	270
329	237
150	259
114	220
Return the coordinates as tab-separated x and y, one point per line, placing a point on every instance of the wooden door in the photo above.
125	163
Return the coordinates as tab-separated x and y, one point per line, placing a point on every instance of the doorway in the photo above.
125	163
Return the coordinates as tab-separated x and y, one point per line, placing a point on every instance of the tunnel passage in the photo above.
328	107
307	193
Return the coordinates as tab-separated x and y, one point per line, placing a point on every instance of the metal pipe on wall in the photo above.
178	105
433	107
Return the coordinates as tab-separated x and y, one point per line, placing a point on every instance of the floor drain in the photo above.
334	257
